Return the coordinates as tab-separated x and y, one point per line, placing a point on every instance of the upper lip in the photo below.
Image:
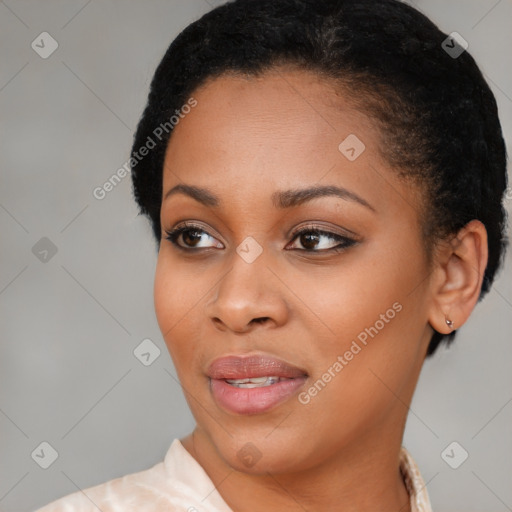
254	365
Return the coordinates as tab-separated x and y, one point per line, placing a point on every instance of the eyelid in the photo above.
311	225
198	226
344	241
173	234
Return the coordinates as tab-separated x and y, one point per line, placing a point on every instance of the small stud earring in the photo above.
449	323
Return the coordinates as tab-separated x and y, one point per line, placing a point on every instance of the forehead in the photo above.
282	102
285	129
284	113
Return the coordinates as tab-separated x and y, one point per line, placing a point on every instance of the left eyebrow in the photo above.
291	198
281	199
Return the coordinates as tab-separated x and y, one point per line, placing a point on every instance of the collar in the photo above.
416	487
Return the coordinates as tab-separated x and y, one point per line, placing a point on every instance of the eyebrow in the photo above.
281	199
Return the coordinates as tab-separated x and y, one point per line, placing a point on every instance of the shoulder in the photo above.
124	493
177	484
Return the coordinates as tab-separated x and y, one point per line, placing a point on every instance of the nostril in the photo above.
260	320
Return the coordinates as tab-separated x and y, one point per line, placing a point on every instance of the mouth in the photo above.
253	384
256	382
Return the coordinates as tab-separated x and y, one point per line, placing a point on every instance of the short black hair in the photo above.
438	117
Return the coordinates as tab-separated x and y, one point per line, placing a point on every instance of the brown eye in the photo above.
191	237
312	239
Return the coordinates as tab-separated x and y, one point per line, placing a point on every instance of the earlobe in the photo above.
461	263
449	323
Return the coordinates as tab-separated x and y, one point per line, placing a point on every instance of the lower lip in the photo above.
253	400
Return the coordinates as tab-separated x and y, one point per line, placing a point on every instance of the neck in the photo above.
363	476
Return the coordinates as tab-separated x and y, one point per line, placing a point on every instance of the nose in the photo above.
247	295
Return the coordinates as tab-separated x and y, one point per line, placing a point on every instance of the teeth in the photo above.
254	382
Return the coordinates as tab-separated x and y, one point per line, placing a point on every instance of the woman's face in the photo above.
290	348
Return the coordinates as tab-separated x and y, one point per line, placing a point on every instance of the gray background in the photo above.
70	324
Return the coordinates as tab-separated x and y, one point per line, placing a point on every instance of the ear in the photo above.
457	278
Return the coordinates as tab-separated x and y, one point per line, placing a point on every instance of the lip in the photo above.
253	400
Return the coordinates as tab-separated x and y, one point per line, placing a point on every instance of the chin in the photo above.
259	454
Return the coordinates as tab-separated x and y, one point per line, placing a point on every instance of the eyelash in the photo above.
345	242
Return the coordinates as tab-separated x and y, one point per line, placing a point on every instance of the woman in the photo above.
324	182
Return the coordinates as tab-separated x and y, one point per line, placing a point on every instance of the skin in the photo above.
246	139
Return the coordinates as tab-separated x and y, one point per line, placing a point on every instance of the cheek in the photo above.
368	295
377	341
176	299
164	300
361	386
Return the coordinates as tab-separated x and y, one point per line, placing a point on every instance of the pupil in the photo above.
312	237
191	235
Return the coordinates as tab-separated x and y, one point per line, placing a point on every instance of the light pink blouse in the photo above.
180	484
